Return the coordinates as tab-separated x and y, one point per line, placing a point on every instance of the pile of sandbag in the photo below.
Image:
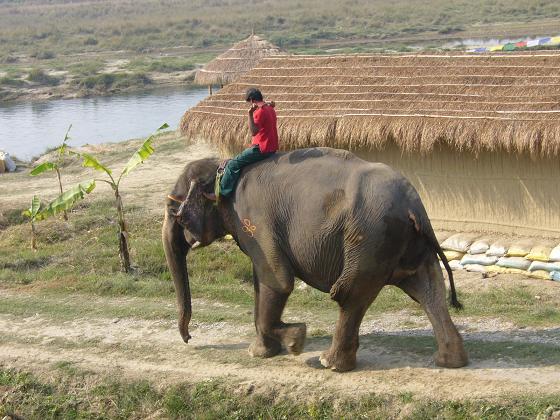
473	252
6	163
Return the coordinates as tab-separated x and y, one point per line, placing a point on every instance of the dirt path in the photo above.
137	348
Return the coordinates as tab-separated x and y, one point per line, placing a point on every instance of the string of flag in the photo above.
512	46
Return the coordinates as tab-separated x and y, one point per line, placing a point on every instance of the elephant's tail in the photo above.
425	228
452	293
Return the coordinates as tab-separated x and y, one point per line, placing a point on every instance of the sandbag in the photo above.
9	164
453	255
480	259
555	275
520	248
539	265
540	274
455	265
554	254
518	263
539	253
495	269
498	249
475	268
459	242
480	246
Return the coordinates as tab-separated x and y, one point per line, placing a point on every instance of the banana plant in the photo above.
143	153
60	204
33	214
56	165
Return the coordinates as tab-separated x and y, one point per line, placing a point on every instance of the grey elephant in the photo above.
340	224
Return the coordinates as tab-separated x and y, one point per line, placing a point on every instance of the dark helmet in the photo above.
253	94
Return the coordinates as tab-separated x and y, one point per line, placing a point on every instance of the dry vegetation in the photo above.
106	25
472	102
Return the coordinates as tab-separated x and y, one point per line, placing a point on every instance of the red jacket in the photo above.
267	136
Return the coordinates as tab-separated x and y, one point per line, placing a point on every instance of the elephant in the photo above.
340	224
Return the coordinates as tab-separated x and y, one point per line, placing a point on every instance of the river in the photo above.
28	129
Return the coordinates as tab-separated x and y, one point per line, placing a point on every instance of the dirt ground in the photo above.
137	348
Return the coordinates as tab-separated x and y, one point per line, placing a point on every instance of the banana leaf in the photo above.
66	200
43	167
143	153
32	211
91	162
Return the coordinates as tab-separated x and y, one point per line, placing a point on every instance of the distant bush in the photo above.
91	41
106	81
42	78
10	81
9	59
45	55
449	30
125	80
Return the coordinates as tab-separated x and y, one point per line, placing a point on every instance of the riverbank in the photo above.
27	78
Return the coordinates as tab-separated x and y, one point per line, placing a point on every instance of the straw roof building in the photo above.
236	61
477	135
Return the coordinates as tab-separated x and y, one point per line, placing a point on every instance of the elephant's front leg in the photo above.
272	333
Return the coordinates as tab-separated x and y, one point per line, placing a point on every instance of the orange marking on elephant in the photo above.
249	228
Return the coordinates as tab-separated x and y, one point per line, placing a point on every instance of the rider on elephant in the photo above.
262	124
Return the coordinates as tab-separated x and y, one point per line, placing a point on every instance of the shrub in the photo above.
90	41
10	81
45	55
39	76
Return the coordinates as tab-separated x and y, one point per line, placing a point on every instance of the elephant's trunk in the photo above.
176	249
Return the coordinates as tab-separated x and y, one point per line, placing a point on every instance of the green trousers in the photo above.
235	165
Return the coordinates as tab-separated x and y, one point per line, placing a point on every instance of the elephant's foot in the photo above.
452	359
259	349
339	361
293	337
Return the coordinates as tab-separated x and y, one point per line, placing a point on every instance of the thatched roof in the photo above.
505	102
236	61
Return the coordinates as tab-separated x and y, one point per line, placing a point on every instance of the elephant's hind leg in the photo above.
272	333
341	356
428	288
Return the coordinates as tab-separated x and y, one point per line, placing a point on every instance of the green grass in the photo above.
81	256
70	393
85	68
162	65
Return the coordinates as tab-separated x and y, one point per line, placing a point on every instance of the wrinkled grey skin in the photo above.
342	225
